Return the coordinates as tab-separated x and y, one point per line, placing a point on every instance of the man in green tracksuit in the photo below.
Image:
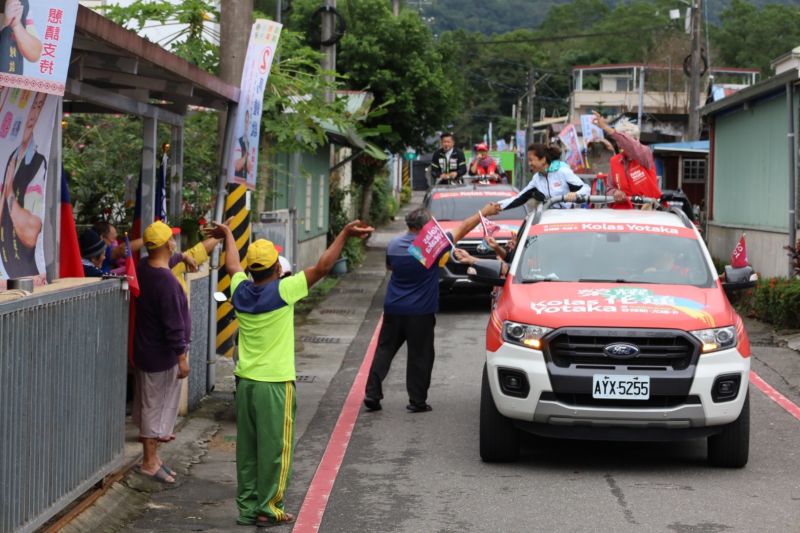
265	395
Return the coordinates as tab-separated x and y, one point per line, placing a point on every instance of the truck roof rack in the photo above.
605	200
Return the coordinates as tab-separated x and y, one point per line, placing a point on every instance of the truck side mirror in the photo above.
737	279
487	272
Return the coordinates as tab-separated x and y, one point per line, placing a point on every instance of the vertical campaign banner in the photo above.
242	167
569	136
26	130
36	43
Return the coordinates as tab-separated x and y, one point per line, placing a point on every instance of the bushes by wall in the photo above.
773	300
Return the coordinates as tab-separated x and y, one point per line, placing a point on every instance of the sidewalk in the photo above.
203	453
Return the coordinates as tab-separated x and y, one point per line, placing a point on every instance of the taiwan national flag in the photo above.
69	257
739	255
130	270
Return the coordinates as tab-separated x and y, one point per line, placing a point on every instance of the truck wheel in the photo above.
731	447
499	439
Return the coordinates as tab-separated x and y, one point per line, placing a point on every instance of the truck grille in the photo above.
658	348
472	248
654	402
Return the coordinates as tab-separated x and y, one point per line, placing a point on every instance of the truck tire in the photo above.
499	438
731	447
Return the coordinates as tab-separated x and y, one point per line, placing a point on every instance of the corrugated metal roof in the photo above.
775	84
690	146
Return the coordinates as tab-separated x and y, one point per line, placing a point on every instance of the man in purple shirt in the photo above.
160	346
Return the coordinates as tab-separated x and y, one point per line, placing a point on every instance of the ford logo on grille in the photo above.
621	350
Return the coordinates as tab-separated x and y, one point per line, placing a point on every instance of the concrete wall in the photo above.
308	251
764	248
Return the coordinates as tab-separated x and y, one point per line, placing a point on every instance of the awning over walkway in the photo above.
113	69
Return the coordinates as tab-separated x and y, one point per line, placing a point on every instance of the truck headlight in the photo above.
524	334
716	339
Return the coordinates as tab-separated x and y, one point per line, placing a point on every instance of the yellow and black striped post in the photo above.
236	207
406	175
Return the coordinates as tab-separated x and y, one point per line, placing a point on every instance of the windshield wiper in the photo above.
537	279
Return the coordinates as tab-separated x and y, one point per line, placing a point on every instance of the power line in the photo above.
562	37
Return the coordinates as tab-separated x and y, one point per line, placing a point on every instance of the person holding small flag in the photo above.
411	304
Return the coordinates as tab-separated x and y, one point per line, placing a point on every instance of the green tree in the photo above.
751	37
193	38
397	60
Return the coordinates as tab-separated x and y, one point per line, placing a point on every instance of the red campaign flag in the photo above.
739	255
69	255
430	244
130	270
489	227
133	287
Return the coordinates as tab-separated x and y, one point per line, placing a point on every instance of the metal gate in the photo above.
62	398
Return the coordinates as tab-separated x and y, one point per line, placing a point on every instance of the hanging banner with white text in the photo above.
36	43
242	167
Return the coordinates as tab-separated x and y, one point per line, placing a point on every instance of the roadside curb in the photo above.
129	501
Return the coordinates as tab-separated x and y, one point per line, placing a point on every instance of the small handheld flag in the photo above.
430	244
739	254
130	269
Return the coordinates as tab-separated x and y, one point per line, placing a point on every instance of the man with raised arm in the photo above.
265	401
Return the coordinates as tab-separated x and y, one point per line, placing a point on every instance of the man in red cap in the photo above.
485	165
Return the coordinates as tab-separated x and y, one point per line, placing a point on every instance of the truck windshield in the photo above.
614	257
459	208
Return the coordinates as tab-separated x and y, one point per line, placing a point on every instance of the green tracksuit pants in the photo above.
265	414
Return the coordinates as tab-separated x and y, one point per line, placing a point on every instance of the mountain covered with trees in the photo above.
500	16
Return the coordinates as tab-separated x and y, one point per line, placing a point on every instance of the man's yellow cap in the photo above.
157	234
261	255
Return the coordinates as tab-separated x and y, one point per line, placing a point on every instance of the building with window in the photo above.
614	90
753	171
683	165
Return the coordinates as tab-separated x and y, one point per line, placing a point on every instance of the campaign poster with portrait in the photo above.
36	43
243	163
26	130
569	136
591	132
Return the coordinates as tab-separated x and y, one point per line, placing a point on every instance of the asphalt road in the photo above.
422	473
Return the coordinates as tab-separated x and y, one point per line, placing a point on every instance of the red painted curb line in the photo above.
309	518
774	395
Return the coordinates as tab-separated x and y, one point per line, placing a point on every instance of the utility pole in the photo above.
329	52
529	110
396	8
235	19
234	30
693	132
641	99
